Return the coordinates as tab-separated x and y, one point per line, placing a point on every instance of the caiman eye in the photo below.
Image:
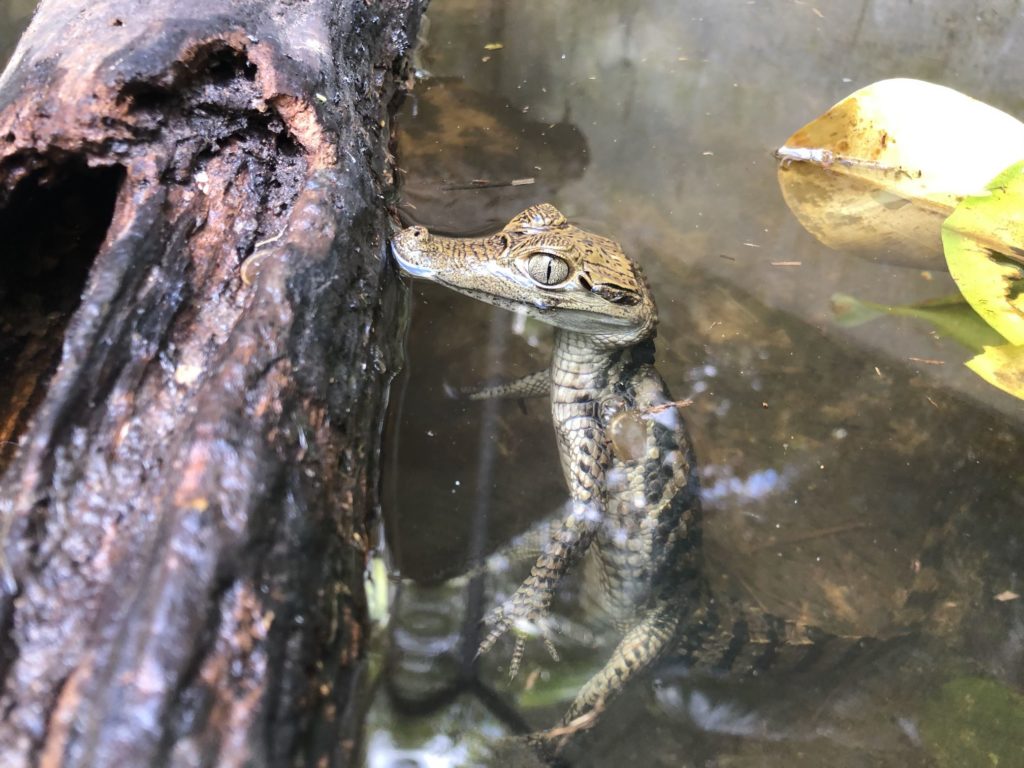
547	269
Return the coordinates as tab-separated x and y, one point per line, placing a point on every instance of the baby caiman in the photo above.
624	449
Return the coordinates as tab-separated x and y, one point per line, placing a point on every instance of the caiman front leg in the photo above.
532	385
586	459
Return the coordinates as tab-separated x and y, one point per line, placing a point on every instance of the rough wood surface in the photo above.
189	457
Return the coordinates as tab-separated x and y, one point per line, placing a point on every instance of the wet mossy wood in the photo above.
187	456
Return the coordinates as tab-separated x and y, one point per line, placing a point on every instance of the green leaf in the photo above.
951	316
563	682
984	244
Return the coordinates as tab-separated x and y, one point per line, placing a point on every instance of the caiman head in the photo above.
541	264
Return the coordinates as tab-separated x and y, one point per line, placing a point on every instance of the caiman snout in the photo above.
409	248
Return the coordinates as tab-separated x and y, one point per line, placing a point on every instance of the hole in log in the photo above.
210	71
51	228
222	63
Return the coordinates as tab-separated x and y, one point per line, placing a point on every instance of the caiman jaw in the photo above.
408	267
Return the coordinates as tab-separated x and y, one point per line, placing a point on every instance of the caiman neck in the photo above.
578	357
578	363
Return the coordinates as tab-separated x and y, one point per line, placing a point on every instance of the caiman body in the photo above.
624	449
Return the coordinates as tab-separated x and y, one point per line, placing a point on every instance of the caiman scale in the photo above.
623	446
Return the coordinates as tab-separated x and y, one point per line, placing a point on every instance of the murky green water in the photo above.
843	479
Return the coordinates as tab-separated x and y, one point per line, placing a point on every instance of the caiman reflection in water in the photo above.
626	456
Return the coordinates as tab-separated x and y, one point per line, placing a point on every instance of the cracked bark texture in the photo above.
188	456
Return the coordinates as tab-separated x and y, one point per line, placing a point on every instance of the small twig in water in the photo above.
665	406
487	184
809	536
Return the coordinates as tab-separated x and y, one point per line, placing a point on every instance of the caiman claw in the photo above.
525	618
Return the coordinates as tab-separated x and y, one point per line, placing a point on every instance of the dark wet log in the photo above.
189	456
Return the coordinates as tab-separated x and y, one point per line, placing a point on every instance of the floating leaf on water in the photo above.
494	46
1006	595
1002	367
951	316
984	242
882	169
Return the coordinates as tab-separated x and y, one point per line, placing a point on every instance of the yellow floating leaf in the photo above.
1002	367
984	243
882	169
494	46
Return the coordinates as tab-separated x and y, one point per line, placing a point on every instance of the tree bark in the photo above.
196	335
